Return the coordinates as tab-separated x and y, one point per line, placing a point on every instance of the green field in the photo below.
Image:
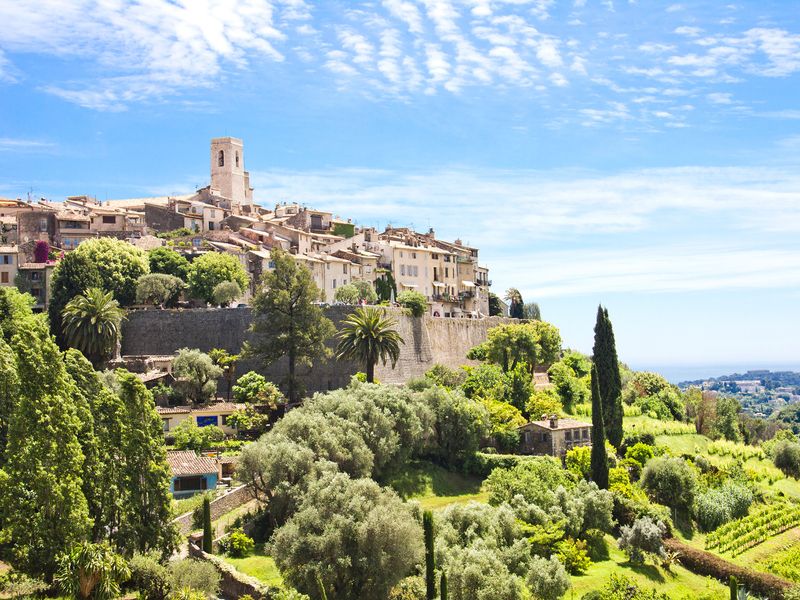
434	487
258	565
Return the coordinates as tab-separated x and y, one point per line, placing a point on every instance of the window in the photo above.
190	484
237	158
42	224
271	264
344	269
4	277
568	436
401	254
165	424
36	276
204	421
8	259
211	225
334	284
446	272
221	159
416	270
109	219
413	255
402	269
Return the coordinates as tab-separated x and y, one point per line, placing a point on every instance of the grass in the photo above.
259	565
657	427
435	487
678	583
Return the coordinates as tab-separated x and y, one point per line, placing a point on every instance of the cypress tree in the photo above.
443	588
208	536
599	459
609	380
430	576
734	588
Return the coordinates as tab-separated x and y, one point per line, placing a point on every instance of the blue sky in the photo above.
640	154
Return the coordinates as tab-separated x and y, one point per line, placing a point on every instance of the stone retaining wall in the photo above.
219	506
428	341
233	583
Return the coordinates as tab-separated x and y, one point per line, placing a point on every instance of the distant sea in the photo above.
679	373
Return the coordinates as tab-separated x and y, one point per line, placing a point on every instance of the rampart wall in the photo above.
428	341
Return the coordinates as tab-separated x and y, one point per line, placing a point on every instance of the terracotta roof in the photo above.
562	424
173	410
186	462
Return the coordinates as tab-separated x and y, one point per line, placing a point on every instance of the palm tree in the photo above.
367	336
91	323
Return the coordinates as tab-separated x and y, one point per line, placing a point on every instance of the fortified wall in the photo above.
428	341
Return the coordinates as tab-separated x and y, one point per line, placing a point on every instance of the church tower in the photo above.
228	176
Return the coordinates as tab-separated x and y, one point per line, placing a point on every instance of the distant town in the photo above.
761	393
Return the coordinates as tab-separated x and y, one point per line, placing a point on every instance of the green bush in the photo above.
149	577
573	555
786	456
196	575
721	505
414	302
237	544
670	481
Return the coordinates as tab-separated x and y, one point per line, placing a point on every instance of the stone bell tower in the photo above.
228	176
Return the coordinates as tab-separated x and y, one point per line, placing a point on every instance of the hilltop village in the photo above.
204	399
222	217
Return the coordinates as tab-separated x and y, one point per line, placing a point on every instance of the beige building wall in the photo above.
8	265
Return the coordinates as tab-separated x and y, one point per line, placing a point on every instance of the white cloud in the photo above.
688	30
24	145
719	98
146	48
406	12
753	209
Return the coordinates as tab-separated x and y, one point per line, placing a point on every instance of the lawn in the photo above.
258	565
435	487
679	583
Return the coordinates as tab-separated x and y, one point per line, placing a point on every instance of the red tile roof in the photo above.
186	462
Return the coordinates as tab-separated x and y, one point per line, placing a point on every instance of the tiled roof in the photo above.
173	410
186	462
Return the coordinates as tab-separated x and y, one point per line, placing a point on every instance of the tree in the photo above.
120	265
367	336
146	522
228	363
516	310
73	275
430	565
531	311
9	392
92	571
385	286
786	456
159	290
188	436
359	538
208	536
461	424
41	498
604	357
726	422
92	324
366	291
286	322
528	344
252	388
644	537
414	302
495	306
599	458
196	375
346	294
670	481
226	292
167	261
211	269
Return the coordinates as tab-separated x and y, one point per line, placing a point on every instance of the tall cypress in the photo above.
608	376
443	587
208	535
430	576
599	459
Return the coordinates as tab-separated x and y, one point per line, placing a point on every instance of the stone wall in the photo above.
219	506
233	583
428	341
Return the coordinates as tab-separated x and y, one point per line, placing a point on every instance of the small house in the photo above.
192	473
214	413
553	436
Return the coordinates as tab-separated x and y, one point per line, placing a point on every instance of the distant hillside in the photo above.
769	380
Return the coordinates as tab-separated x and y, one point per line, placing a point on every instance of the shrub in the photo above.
786	456
548	579
166	261
196	575
149	577
573	555
414	302
226	292
188	436
543	402
486	381
579	461
670	481
237	544
410	588
196	375
346	294
639	452
211	269
158	289
445	376
120	265
720	505
644	537
253	388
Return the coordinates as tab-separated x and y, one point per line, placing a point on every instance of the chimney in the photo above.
553	421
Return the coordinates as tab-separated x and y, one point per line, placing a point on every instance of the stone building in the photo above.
554	436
